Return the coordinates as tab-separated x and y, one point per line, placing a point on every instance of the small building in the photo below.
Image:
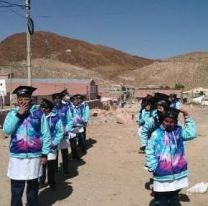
46	87
118	93
197	95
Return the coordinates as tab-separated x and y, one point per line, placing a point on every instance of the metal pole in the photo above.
29	73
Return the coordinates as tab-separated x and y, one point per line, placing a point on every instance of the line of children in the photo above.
36	134
159	104
163	139
74	113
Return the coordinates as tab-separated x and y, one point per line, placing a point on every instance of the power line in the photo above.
6	6
13	11
9	4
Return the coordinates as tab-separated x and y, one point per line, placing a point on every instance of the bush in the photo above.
179	86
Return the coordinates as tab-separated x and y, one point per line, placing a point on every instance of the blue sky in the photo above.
148	28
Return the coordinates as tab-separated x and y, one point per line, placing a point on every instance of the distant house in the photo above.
46	87
197	95
119	92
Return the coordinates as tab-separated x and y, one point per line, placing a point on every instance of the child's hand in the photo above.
23	108
43	161
185	113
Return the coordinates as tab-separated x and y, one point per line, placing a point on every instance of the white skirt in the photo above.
170	186
52	155
72	135
24	169
64	144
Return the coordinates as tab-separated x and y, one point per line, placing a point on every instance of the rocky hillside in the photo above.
190	70
106	61
62	57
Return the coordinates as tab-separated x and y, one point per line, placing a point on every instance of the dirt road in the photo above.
112	174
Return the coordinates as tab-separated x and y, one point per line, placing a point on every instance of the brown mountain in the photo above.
58	54
190	70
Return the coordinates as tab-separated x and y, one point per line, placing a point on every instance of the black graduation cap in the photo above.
162	99
172	113
45	103
163	102
24	91
174	97
64	92
159	95
56	96
147	97
73	97
81	96
148	101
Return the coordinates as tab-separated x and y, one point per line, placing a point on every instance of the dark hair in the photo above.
47	104
163	103
171	114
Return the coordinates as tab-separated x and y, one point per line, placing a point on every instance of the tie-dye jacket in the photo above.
80	117
176	105
65	115
56	129
86	111
146	130
30	136
165	151
144	116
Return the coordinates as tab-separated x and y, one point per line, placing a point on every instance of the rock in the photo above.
198	188
123	118
95	114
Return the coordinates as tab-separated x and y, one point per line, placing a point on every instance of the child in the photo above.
29	146
57	132
147	111
175	103
67	121
86	112
79	122
166	159
154	121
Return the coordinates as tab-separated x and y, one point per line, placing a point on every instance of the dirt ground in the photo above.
112	174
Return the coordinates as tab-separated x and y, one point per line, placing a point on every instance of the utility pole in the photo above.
29	72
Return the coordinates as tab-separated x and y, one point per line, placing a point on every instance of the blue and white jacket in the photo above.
144	116
150	125
30	135
78	116
85	111
176	104
65	115
165	155
56	129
